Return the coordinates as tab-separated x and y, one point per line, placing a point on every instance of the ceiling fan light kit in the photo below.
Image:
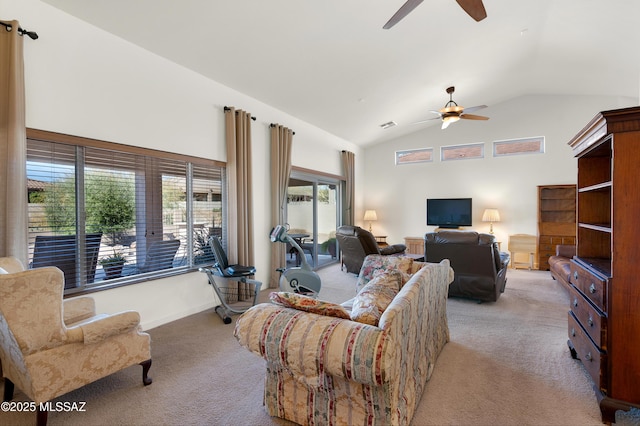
446	120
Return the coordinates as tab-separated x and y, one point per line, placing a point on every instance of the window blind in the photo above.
106	215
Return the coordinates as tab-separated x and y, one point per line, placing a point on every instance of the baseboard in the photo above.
175	316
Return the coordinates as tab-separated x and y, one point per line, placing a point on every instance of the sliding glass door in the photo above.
313	212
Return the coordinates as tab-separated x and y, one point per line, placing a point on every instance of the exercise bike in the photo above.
300	279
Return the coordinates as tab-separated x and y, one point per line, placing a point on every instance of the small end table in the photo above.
381	240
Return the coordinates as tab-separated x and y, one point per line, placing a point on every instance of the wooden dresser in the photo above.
556	220
604	316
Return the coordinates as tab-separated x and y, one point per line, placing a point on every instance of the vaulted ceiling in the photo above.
330	63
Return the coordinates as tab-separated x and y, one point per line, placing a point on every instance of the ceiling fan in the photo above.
452	112
474	8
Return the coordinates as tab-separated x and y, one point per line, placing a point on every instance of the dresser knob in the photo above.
573	332
588	357
575	274
590	321
575	303
592	288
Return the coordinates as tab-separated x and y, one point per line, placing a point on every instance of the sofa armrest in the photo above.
101	327
393	249
310	345
78	309
505	258
566	250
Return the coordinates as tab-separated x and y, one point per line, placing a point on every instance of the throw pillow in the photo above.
308	304
416	266
376	262
375	297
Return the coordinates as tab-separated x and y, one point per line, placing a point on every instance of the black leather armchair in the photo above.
357	243
479	266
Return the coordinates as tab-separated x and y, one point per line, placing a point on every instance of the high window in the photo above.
534	145
108	214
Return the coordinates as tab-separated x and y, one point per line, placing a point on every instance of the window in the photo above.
462	152
108	214
408	156
533	145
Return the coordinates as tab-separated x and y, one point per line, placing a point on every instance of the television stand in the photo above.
447	228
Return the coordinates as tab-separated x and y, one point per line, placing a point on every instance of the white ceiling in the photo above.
330	63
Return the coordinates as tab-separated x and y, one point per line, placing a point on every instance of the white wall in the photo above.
399	193
83	81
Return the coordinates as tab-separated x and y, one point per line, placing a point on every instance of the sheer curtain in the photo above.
281	141
348	164
240	192
13	142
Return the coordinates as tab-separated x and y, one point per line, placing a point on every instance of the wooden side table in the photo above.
381	240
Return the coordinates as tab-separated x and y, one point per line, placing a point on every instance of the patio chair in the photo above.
160	255
60	251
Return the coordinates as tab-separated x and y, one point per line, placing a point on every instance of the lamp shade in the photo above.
370	215
491	215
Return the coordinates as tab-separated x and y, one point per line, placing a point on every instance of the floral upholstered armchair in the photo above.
49	347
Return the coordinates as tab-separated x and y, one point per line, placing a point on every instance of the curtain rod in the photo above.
226	108
274	125
32	34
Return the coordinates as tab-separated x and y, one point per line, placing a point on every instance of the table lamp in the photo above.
370	215
491	215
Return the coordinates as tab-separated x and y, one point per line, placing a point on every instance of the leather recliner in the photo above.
479	266
357	243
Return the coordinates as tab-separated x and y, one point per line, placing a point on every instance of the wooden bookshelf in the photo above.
556	220
604	316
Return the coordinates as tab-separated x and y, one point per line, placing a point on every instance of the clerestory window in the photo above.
108	214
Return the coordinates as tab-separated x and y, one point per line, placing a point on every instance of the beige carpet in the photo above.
507	364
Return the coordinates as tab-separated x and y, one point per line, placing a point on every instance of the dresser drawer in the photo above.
544	239
546	252
546	247
549	242
593	359
591	285
591	318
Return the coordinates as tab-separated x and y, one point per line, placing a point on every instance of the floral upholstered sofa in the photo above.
326	364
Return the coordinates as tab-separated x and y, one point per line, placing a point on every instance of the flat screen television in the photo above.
449	212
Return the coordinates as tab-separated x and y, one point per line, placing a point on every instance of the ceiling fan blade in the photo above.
402	12
428	119
473	108
474	8
473	117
